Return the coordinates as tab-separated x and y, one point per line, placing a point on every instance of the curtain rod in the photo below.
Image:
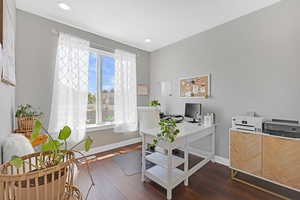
96	46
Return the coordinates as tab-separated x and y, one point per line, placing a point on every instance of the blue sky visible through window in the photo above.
108	73
92	73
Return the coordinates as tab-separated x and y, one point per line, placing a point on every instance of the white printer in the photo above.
248	123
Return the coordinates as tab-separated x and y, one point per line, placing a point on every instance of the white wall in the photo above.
7	104
6	109
254	62
7	93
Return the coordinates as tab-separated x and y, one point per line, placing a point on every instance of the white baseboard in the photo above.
111	146
222	160
218	159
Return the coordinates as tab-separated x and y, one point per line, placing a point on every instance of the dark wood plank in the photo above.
130	186
104	189
212	182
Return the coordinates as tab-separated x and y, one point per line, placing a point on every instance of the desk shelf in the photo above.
162	160
160	175
189	133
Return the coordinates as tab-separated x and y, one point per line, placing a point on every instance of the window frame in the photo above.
104	125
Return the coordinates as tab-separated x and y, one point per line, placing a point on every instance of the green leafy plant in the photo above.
154	103
57	148
91	98
26	110
168	132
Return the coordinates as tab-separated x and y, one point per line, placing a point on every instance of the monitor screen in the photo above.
192	110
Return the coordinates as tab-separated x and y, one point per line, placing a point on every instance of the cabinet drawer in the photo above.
246	152
281	161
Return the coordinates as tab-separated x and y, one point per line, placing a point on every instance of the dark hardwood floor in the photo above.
212	182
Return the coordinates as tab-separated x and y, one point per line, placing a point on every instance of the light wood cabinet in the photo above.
281	160
246	152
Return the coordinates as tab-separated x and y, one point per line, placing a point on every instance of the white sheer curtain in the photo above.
70	87
125	92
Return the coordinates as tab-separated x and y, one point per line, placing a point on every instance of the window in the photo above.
101	89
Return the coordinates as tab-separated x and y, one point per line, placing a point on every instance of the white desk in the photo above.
166	173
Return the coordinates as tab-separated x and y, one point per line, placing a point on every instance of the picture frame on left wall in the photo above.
7	52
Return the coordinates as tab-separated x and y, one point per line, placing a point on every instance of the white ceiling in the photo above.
132	21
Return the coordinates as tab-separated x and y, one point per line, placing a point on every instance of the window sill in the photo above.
99	127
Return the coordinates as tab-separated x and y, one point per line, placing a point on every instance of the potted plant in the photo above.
46	175
26	116
154	103
168	132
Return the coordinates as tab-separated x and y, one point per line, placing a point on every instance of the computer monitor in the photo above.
192	110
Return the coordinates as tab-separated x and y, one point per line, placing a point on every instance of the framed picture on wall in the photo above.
142	90
7	65
195	86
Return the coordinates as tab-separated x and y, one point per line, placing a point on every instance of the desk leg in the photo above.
169	177
213	144
169	194
186	164
144	145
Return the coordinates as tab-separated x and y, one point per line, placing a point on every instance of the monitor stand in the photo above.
194	121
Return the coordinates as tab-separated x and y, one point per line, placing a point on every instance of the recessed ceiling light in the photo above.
147	40
64	6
